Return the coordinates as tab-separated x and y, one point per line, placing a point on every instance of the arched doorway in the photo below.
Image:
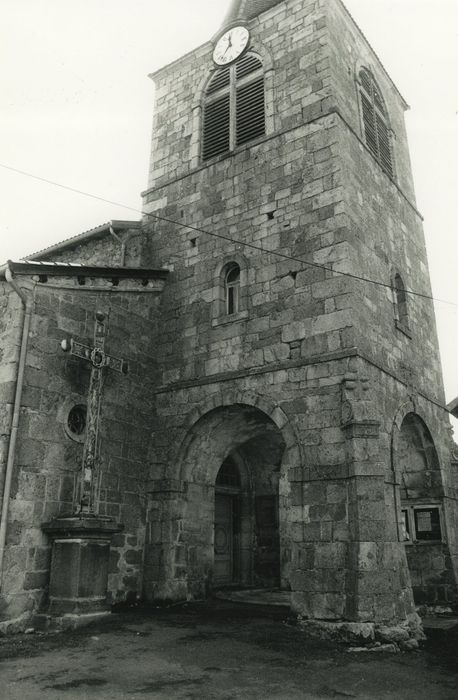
233	512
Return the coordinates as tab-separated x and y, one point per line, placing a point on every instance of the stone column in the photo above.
164	577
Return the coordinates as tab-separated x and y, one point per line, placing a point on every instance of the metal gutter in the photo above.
119	240
50	269
27	311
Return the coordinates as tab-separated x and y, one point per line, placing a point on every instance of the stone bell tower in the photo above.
297	323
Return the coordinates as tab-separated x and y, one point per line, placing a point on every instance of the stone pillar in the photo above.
350	579
164	576
79	567
378	587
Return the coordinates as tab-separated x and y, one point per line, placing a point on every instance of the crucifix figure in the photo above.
99	360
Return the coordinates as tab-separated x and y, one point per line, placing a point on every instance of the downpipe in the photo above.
121	243
27	311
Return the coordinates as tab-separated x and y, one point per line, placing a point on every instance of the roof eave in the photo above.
49	269
453	407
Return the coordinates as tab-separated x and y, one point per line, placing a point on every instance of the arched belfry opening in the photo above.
233	511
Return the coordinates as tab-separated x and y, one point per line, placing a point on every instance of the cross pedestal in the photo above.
81	541
79	567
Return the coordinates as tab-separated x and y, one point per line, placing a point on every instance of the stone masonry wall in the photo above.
292	345
48	460
102	250
386	228
290	357
387	237
292	33
349	51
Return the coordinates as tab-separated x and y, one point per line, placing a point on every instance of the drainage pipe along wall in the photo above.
26	318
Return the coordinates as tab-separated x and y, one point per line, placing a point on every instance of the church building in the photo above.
243	389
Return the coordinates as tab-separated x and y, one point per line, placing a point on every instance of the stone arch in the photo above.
374	115
256	433
416	460
259	51
293	455
420	505
227	427
360	65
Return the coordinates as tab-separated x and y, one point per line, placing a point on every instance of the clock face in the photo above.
231	45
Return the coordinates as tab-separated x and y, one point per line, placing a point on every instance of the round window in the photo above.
76	422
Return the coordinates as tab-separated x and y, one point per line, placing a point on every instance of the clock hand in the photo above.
229	45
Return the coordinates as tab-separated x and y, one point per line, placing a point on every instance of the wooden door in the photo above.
267	557
224	540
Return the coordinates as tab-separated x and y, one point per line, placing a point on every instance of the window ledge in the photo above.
229	318
403	328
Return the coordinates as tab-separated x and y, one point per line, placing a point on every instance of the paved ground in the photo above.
219	651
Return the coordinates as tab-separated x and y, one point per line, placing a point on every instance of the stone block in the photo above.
331	555
35	579
294	331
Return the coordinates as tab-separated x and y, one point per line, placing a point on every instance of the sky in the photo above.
76	108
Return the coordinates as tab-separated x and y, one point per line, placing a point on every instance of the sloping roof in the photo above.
84	237
247	9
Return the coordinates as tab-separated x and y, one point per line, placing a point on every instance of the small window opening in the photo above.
43	278
232	289
81	281
271	215
115	281
401	301
193	242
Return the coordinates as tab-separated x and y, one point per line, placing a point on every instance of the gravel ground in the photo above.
216	651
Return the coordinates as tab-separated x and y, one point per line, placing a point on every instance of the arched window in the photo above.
375	121
234	110
232	289
400	294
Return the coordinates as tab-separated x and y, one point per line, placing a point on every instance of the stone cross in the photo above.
99	360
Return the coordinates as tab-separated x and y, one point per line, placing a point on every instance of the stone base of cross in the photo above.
100	361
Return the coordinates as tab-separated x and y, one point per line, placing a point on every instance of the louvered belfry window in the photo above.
376	129
234	111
